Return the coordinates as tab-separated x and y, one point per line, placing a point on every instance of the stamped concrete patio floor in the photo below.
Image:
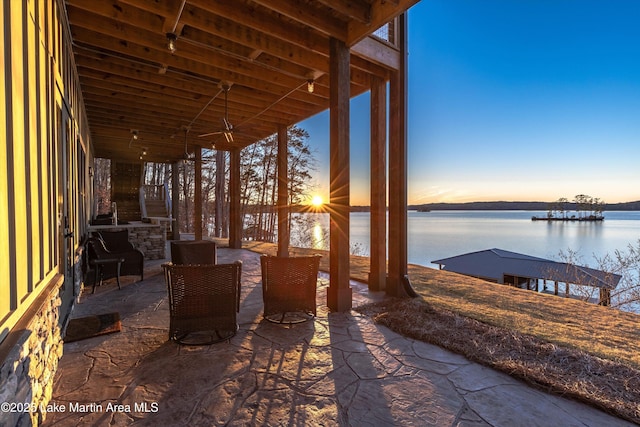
340	369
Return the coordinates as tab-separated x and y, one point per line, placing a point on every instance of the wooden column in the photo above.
219	203
378	243
197	194
175	199
398	281
235	219
339	292
283	193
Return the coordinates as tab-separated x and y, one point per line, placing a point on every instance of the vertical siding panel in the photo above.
51	138
43	104
34	213
18	161
5	290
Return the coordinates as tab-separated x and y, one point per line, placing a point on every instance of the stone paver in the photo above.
339	369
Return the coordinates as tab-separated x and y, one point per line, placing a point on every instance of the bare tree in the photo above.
626	263
259	181
102	185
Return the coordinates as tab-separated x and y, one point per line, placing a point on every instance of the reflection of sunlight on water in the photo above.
318	241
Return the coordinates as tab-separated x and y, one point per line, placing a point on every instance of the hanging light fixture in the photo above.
171	42
310	85
134	136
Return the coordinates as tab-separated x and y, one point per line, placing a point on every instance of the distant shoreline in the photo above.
504	206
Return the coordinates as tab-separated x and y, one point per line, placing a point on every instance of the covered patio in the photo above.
139	81
168	82
339	369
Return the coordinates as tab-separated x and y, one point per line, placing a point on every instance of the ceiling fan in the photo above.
227	130
186	155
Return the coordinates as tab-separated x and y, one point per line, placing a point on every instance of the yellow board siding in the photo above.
18	159
5	297
33	204
43	161
31	134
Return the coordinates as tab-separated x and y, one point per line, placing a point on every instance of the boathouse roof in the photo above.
494	264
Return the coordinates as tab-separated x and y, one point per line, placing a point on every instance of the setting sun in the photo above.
317	201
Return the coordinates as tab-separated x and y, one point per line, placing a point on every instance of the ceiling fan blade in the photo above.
228	136
204	135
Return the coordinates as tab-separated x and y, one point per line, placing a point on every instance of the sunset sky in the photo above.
512	100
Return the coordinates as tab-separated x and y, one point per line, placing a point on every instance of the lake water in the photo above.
441	234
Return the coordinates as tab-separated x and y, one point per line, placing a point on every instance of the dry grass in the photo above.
577	349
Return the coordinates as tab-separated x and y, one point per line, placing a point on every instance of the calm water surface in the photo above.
441	234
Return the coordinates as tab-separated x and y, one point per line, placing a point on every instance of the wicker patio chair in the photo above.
203	301
193	252
289	287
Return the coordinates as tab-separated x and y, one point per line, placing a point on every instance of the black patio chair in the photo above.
105	264
118	242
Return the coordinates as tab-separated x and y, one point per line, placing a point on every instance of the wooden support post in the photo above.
397	283
175	199
235	218
197	194
283	193
219	203
378	242
555	288
339	292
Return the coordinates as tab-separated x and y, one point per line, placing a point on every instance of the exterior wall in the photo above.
45	197
26	376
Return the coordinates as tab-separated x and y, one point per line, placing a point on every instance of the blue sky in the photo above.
512	100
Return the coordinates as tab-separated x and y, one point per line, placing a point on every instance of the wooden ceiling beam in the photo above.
172	118
264	22
279	85
257	40
150	140
371	49
175	79
205	118
122	12
102	79
138	46
309	15
358	10
216	46
147	87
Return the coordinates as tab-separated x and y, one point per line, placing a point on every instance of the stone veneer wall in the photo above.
27	373
148	238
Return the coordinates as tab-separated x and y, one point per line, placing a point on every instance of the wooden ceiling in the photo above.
264	50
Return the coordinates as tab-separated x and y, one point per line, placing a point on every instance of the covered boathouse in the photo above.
525	271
